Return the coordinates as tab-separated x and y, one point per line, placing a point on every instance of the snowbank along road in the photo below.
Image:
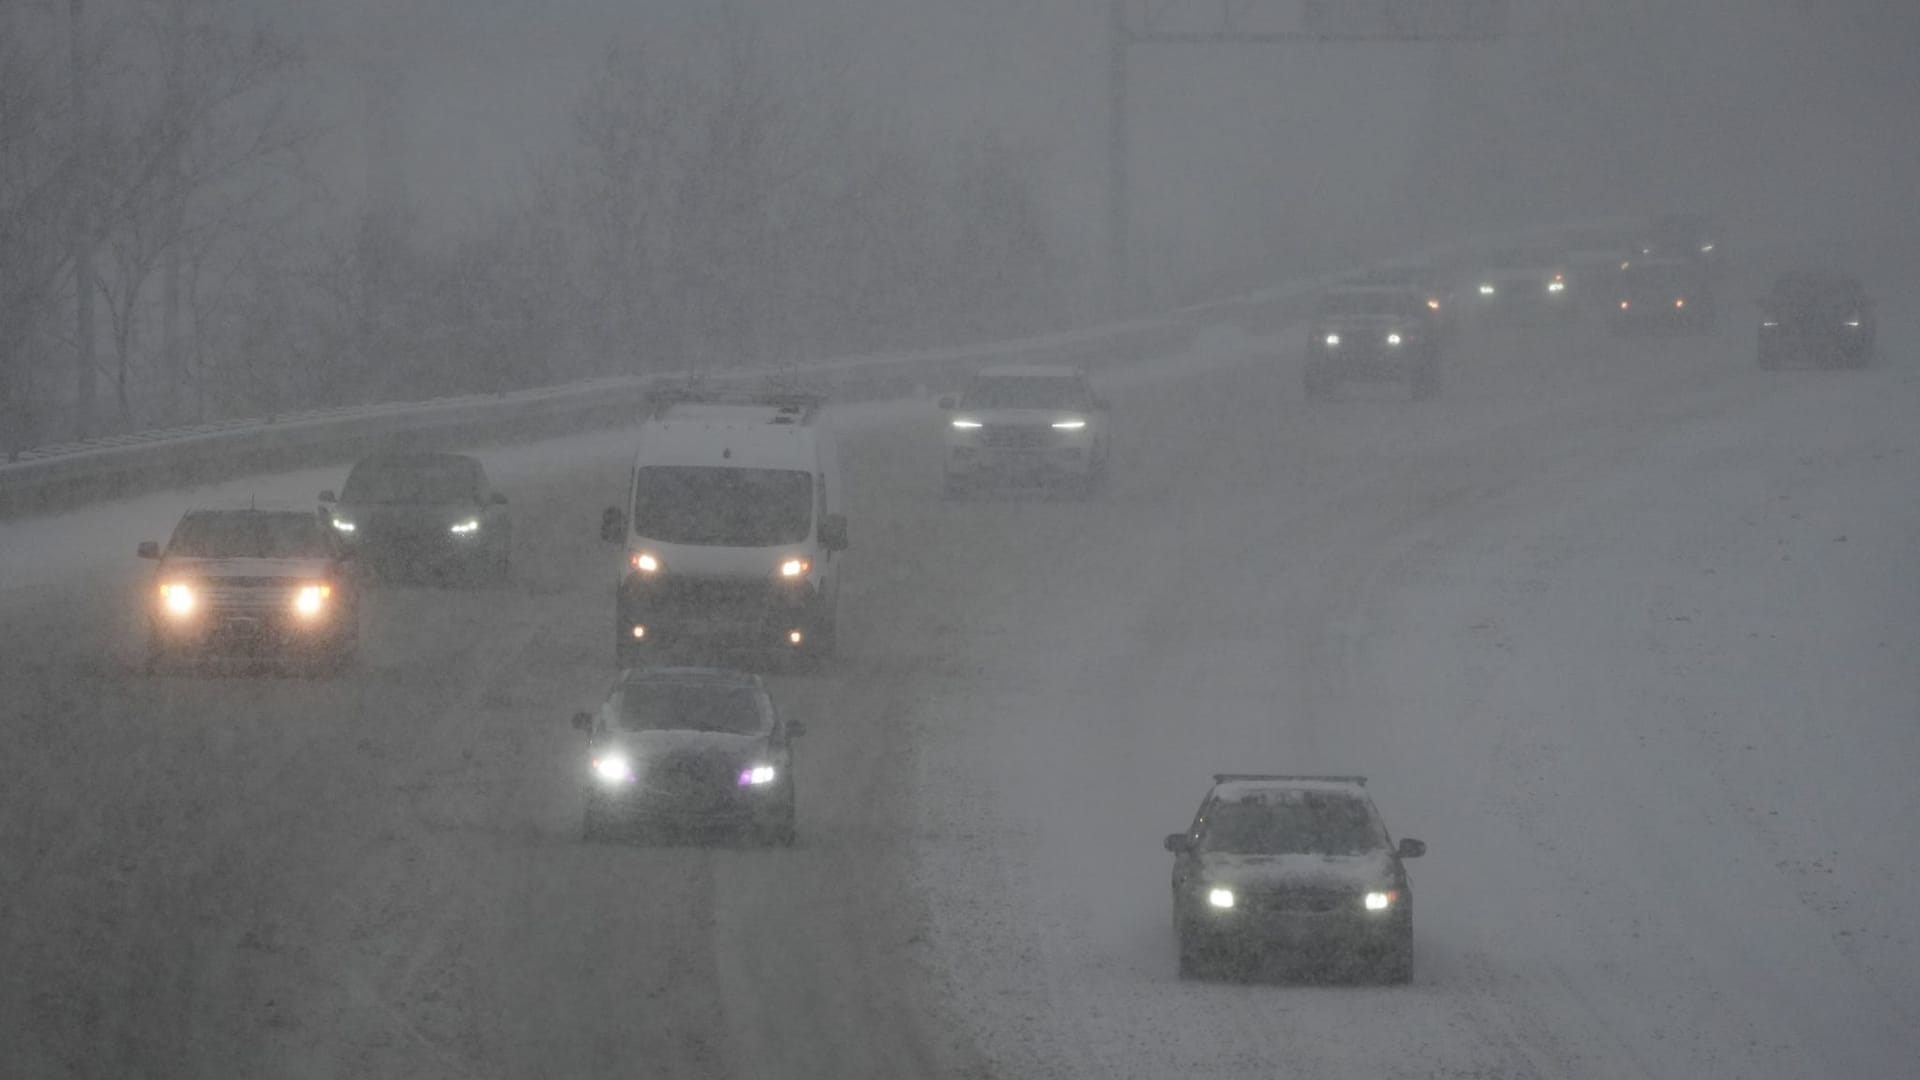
1623	628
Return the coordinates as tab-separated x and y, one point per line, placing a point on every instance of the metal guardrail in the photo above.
58	477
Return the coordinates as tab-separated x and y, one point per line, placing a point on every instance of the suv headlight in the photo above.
646	562
178	598
613	768
1220	897
1332	340
343	525
1380	899
757	776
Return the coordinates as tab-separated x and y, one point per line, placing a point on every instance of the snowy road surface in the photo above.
1624	629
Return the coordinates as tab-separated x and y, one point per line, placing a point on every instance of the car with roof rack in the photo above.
689	750
1293	868
1373	333
251	583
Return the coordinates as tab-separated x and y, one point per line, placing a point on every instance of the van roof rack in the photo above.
791	406
1221	778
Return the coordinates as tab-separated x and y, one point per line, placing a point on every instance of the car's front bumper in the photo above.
1019	464
1311	935
1369	364
716	611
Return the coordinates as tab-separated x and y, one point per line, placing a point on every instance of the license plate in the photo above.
242	627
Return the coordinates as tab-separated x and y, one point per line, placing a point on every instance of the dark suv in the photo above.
251	584
1294	867
1374	333
1824	317
413	514
689	750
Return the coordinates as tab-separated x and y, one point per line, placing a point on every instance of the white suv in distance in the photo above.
1041	426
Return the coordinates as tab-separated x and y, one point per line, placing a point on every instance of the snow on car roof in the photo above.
262	506
1239	789
1029	371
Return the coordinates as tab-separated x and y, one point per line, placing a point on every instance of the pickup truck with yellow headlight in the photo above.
251	584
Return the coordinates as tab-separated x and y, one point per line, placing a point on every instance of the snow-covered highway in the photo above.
1624	629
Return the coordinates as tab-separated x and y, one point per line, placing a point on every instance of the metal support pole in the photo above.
1119	211
82	226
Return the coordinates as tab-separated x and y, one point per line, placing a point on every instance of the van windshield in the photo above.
722	506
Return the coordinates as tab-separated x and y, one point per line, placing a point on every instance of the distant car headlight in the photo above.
1069	425
1381	900
1333	340
757	776
1220	898
178	598
1393	339
310	600
966	425
1556	286
1433	305
793	568
613	768
1486	288
465	528
1771	323
1706	249
645	561
343	525
1852	324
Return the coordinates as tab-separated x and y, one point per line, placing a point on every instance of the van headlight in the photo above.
794	567
646	562
1220	897
465	528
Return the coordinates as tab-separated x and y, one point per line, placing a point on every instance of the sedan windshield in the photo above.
1371	303
722	506
414	480
1026	392
249	534
1293	823
665	706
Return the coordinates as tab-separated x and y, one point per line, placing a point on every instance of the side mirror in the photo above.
149	549
499	499
833	532
613	525
583	721
796	728
948	402
328	496
1179	843
1412	849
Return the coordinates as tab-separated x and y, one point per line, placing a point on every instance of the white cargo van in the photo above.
733	525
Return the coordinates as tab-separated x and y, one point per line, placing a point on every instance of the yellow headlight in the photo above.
311	599
177	598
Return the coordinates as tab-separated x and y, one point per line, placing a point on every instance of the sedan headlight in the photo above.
178	598
1380	900
1332	340
343	525
465	528
757	776
966	425
1393	339
310	600
645	561
1486	288
613	768
1220	897
1852	324
1069	425
1556	286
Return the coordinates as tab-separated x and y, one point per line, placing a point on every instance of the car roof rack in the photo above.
1222	778
791	406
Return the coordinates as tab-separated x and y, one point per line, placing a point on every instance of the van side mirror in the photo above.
149	549
1412	849
833	532
613	525
583	721
328	496
499	499
948	402
1179	843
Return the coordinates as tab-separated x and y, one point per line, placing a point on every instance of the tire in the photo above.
1192	963
825	640
1426	381
1395	965
1769	359
596	825
782	831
